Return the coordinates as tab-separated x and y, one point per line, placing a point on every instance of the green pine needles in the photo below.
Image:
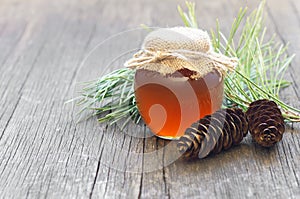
262	65
111	97
260	73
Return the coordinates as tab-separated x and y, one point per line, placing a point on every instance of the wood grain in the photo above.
44	153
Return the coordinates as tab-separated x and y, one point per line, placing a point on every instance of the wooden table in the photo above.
44	153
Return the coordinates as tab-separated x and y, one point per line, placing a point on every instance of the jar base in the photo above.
168	137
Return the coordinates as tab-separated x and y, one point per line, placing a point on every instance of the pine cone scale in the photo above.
237	138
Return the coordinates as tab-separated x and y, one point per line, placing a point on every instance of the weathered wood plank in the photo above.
36	139
45	154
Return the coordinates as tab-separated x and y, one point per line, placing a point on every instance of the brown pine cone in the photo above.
213	133
266	123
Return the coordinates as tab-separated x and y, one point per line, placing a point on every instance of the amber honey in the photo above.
170	104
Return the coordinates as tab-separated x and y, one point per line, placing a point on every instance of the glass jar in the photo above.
169	104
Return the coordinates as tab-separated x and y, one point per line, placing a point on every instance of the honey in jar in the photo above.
170	104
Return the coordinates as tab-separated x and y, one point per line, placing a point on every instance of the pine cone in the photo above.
211	134
266	123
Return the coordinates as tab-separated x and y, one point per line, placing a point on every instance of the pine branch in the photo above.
260	73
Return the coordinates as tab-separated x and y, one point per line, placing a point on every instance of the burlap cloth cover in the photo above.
168	50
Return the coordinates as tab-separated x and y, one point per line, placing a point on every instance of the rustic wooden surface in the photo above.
45	154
